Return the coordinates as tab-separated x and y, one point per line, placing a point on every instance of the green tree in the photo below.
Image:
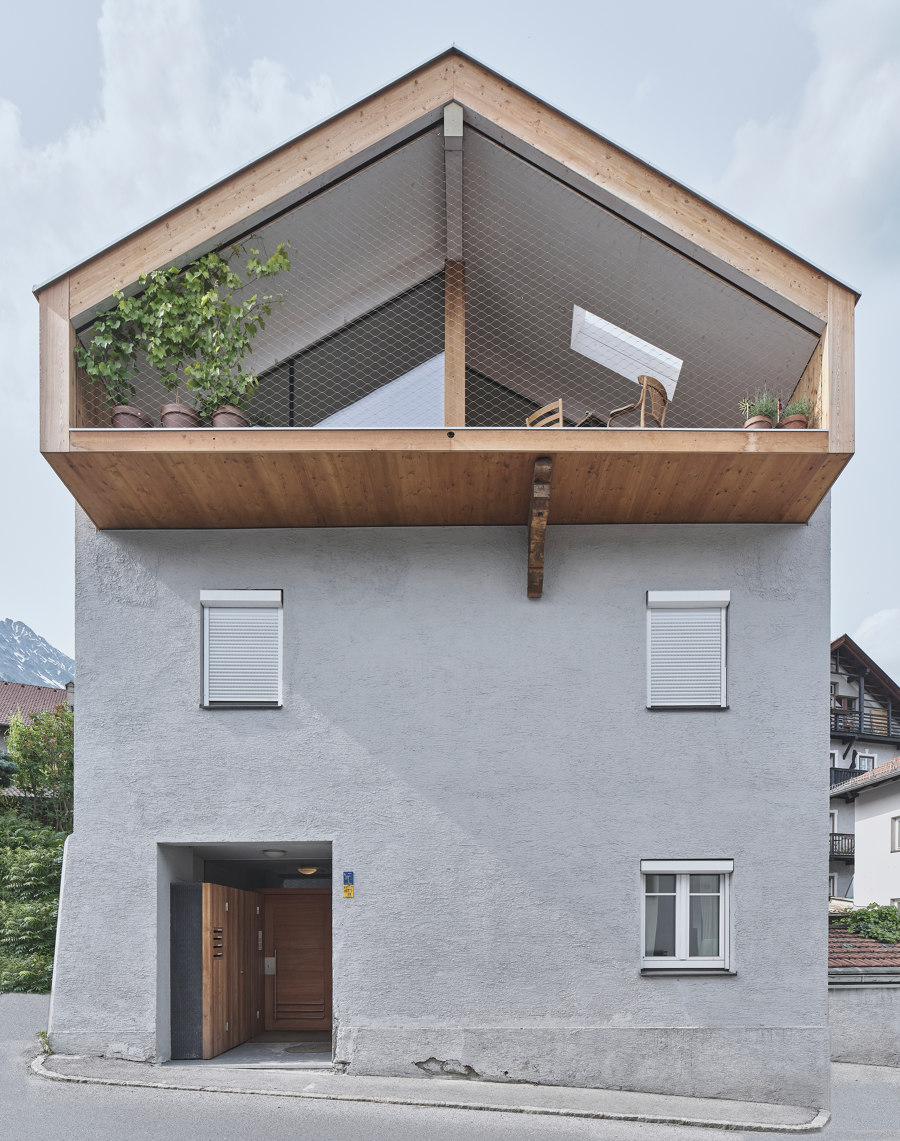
42	749
30	865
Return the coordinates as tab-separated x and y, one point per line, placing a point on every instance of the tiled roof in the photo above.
848	950
873	776
27	698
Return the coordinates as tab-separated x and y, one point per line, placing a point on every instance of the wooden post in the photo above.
57	367
454	272
455	343
537	525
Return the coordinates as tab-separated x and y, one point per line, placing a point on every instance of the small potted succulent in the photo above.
796	413
760	411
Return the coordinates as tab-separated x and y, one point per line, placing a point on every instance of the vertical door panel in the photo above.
298	938
231	967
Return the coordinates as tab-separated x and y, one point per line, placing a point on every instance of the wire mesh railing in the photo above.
564	300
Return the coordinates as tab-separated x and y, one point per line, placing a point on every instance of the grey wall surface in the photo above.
865	1024
486	766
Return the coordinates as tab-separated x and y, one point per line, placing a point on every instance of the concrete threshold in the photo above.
326	1084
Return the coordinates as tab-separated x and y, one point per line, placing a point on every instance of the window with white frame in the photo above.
865	762
686	648
684	921
895	834
896	903
832	886
242	648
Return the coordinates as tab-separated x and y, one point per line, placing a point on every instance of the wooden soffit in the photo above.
205	478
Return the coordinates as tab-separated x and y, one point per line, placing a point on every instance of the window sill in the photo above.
686	972
243	705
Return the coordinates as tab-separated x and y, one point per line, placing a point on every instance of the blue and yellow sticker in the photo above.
348	885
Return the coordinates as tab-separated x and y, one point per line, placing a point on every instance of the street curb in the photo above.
814	1126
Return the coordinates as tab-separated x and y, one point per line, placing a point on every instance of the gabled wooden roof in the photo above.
520	120
851	655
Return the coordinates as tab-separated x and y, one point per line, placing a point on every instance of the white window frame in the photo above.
244	599
687	600
832	816
895	833
896	903
832	886
873	757
683	870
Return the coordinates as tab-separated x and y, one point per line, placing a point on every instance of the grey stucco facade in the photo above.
487	766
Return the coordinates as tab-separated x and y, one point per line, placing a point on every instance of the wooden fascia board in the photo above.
837	381
451	76
57	367
264	182
539	441
666	201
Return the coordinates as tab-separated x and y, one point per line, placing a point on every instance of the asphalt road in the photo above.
866	1107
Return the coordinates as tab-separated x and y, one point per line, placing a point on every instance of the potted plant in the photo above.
110	360
191	329
760	411
796	413
220	329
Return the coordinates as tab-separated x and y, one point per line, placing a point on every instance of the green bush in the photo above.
32	974
30	866
30	873
876	921
28	928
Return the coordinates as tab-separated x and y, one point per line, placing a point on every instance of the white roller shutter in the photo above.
686	649
243	651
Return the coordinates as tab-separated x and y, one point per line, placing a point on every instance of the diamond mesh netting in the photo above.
356	338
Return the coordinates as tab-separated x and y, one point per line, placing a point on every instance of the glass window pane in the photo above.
660	883
704	925
704	883
659	926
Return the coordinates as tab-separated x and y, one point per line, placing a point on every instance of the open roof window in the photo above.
622	352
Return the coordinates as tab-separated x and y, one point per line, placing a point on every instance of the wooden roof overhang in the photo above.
368	477
431	477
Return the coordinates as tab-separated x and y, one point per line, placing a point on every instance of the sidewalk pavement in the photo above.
506	1097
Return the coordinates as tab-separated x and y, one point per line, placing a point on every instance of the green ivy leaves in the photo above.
189	327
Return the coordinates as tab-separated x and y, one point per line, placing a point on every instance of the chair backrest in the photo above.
659	400
550	416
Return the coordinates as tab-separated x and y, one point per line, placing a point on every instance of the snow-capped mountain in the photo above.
28	658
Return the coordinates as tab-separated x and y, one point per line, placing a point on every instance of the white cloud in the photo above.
879	636
827	179
172	120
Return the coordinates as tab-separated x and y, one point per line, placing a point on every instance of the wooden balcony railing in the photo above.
874	723
842	845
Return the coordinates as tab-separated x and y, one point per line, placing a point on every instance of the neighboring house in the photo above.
873	799
337	770
26	699
865	733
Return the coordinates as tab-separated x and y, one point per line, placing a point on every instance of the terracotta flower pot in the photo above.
179	416
757	422
794	422
229	417
125	416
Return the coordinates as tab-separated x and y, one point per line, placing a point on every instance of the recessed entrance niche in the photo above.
250	953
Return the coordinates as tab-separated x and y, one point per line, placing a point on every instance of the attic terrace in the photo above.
461	255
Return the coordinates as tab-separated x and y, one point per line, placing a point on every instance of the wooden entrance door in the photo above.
232	966
298	954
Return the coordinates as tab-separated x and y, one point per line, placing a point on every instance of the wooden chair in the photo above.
659	403
550	416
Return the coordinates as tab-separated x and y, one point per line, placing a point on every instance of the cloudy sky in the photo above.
787	112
